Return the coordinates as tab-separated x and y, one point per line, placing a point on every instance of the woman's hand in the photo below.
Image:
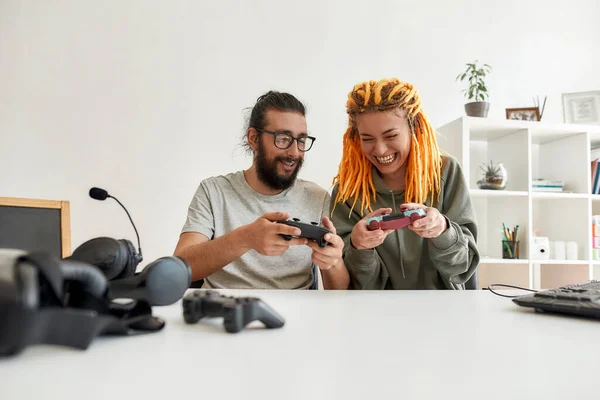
430	226
362	238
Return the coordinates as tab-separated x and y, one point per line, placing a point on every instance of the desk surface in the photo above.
350	344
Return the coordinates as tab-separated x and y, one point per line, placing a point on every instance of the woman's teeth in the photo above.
386	159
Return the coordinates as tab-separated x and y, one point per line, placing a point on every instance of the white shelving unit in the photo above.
529	150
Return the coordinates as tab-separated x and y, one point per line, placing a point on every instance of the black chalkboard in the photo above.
31	229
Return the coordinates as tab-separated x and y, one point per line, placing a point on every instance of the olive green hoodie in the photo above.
405	260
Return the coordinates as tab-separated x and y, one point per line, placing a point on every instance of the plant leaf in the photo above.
476	88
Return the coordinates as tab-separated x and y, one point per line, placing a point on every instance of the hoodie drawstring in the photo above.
397	235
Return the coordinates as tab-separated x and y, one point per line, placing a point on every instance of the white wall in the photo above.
145	98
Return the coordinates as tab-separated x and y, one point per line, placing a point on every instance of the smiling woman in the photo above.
385	140
383	110
390	156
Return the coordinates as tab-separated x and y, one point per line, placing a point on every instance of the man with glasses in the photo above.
231	237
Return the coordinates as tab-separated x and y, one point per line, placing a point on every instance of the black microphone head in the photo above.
98	194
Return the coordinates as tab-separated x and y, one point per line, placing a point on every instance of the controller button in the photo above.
296	219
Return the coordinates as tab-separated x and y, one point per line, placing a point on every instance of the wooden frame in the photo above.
522	113
65	216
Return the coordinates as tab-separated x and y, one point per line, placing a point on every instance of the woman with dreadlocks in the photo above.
391	159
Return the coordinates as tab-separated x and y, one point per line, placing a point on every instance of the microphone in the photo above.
101	194
98	194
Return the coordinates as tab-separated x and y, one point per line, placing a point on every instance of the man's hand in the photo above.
362	238
430	226
264	234
330	255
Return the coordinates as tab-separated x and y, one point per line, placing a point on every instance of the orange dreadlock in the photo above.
423	171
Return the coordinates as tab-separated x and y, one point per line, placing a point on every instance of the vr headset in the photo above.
68	302
44	300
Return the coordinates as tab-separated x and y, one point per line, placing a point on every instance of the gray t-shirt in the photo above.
224	203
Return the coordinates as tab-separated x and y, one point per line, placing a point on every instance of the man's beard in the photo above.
267	169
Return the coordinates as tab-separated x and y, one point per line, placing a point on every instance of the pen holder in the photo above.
510	249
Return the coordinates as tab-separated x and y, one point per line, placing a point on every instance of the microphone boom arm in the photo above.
134	228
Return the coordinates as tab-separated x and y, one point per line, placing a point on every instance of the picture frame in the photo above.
523	113
581	107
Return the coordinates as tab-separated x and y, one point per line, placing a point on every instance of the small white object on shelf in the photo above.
572	253
541	248
559	250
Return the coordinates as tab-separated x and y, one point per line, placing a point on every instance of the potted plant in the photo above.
476	91
493	176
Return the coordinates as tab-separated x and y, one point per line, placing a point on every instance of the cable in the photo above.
508	286
134	228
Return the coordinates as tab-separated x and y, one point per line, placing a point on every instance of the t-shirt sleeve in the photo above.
326	205
200	216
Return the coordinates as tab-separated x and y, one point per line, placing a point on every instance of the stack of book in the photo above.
545	185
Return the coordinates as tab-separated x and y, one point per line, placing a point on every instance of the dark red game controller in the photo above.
395	221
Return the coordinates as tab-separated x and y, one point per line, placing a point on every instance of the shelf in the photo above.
553	275
594	136
534	194
548	136
498	193
561	262
559	195
508	273
529	150
541	132
486	260
487	130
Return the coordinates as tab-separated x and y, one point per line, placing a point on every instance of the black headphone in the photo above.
116	258
162	282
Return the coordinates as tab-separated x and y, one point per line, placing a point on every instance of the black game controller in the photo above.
236	312
310	231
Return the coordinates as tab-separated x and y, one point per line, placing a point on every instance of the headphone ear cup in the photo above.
107	254
128	257
167	280
89	277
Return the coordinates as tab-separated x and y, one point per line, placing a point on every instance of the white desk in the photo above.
350	345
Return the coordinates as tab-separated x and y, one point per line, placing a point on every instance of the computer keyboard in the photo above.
581	299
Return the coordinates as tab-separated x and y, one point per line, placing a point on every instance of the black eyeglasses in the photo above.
284	140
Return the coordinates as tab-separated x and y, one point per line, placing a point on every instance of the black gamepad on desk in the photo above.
310	231
236	312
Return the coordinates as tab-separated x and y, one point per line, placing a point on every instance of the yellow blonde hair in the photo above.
424	164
